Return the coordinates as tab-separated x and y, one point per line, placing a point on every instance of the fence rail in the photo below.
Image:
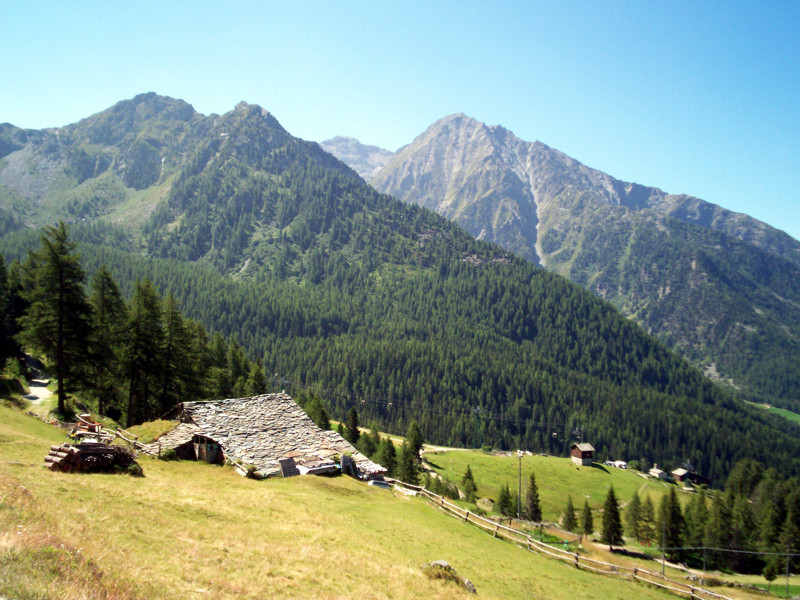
580	562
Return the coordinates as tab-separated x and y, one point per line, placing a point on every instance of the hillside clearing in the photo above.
190	530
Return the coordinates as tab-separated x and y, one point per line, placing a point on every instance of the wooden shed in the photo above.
582	454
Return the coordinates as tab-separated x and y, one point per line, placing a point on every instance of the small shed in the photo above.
657	473
582	454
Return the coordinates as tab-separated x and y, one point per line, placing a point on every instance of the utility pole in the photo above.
519	486
787	570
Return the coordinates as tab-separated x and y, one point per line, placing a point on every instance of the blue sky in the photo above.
695	98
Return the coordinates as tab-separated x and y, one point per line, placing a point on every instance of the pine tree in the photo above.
633	516
351	427
415	440
505	503
569	521
143	342
468	485
533	507
407	469
109	314
315	409
257	382
670	524
587	522
387	456
612	524
647	522
57	321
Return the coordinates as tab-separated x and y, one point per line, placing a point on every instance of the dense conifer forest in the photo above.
268	241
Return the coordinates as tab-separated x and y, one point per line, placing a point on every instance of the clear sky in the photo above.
701	98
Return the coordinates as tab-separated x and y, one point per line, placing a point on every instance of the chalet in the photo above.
684	475
267	435
582	454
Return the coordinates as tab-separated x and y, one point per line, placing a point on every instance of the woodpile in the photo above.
89	457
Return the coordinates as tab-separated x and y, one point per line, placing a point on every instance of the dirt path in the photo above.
39	395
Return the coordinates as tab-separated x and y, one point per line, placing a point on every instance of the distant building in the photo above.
657	473
582	454
683	475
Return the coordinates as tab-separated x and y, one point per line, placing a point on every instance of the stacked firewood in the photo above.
89	457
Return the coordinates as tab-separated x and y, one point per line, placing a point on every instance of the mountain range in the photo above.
373	302
721	288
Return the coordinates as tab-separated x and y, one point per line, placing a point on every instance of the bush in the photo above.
170	454
135	470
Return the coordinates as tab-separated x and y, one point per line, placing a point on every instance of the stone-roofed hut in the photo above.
259	432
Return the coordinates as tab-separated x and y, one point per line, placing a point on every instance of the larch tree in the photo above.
57	321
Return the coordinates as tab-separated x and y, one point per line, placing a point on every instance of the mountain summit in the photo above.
720	287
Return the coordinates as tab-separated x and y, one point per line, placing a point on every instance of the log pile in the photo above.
88	457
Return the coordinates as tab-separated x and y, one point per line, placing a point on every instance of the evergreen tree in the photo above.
415	440
366	445
717	533
351	427
340	429
468	485
386	456
407	469
143	341
670	524
177	372
533	507
633	516
505	503
257	382
587	522
569	521
315	409
108	319
57	321
7	329
612	524
647	522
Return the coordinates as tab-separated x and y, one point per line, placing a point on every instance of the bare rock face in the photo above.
364	160
702	278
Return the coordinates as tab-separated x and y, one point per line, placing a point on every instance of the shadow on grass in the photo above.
599	467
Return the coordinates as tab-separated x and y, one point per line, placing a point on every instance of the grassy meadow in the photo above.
191	530
556	479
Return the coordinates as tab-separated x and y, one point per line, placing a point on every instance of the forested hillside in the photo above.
390	307
720	288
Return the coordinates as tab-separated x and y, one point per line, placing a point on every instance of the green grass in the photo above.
191	530
556	478
786	414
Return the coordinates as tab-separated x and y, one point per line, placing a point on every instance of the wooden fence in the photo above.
580	562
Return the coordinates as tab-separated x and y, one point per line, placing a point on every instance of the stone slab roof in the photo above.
263	429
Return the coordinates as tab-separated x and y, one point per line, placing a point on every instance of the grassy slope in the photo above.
786	414
190	530
556	478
